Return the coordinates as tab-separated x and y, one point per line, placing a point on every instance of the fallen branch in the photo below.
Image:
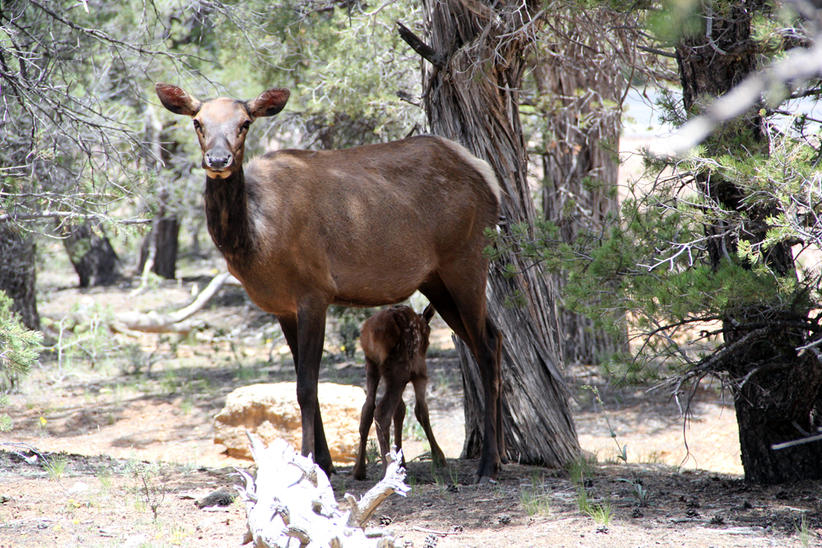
801	441
152	322
291	498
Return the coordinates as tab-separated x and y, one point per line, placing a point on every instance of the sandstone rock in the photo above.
271	411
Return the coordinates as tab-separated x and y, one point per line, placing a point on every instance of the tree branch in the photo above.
426	52
798	65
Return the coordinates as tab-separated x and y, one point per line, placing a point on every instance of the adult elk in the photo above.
394	341
364	226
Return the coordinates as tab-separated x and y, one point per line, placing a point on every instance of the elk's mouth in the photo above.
218	173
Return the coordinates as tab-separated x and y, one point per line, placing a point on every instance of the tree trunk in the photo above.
774	388
91	254
161	243
163	238
472	97
18	273
579	160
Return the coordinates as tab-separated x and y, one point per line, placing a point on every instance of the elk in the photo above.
363	226
394	341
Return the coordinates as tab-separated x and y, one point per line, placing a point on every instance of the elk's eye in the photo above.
245	126
197	125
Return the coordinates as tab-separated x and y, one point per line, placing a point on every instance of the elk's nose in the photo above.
218	160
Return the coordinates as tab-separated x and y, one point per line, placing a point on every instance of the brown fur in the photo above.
394	342
363	226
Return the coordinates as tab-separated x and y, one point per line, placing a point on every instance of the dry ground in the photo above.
111	446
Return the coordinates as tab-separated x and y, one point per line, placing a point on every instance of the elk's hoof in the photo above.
486	480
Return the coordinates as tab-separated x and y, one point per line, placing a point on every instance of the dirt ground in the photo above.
111	445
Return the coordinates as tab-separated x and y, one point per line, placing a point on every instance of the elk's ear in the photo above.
268	103
177	100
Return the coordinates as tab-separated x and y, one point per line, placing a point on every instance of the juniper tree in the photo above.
717	260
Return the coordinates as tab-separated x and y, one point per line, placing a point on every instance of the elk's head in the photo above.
222	124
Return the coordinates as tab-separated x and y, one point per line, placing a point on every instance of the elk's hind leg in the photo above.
460	301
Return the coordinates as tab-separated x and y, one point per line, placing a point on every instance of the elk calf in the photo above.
394	341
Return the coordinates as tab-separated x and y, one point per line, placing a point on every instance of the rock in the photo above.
271	411
220	497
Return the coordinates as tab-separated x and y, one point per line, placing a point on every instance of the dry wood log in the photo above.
153	322
291	502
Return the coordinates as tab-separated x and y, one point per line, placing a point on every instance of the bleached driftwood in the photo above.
153	322
291	502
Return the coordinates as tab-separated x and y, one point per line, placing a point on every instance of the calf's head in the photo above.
221	124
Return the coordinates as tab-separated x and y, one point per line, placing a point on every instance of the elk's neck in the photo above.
226	207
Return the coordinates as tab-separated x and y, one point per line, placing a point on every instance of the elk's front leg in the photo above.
305	334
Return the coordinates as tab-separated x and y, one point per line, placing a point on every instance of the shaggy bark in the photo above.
582	88
91	254
471	96
17	273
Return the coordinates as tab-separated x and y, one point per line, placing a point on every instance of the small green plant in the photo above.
186	405
104	477
580	468
349	321
55	466
178	534
534	503
533	498
85	335
151	487
245	374
440	482
170	382
411	428
5	420
454	474
640	493
411	481
622	450
372	452
803	531
600	512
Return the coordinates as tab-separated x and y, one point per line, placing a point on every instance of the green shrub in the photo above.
19	346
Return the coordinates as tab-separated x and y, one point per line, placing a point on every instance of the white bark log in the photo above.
291	502
152	322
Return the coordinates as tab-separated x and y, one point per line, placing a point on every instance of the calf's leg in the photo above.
421	411
372	380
